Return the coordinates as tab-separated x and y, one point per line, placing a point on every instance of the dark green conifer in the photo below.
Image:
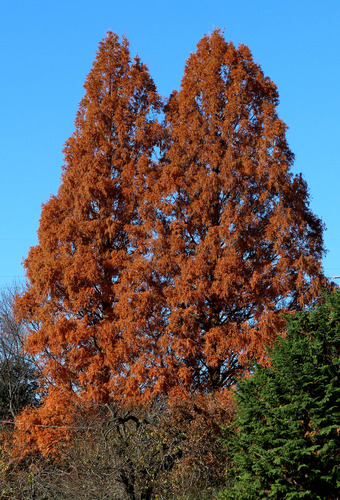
287	440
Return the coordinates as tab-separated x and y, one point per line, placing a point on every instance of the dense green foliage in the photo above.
287	442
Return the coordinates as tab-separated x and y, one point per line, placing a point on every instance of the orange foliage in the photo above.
170	251
234	241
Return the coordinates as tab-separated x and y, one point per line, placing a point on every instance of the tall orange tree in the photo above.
165	276
235	242
88	232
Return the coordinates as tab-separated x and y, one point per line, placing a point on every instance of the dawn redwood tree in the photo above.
88	233
235	242
165	276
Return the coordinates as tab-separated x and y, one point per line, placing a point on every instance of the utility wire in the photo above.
10	422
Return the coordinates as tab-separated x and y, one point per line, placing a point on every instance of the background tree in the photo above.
235	242
87	237
287	443
18	378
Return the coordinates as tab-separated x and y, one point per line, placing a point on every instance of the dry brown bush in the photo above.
168	450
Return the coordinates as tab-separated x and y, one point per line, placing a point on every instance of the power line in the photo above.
11	422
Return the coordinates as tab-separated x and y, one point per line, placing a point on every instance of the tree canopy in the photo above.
177	238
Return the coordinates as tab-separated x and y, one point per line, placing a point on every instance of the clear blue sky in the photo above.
48	47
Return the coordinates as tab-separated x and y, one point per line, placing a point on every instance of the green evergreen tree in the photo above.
287	439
